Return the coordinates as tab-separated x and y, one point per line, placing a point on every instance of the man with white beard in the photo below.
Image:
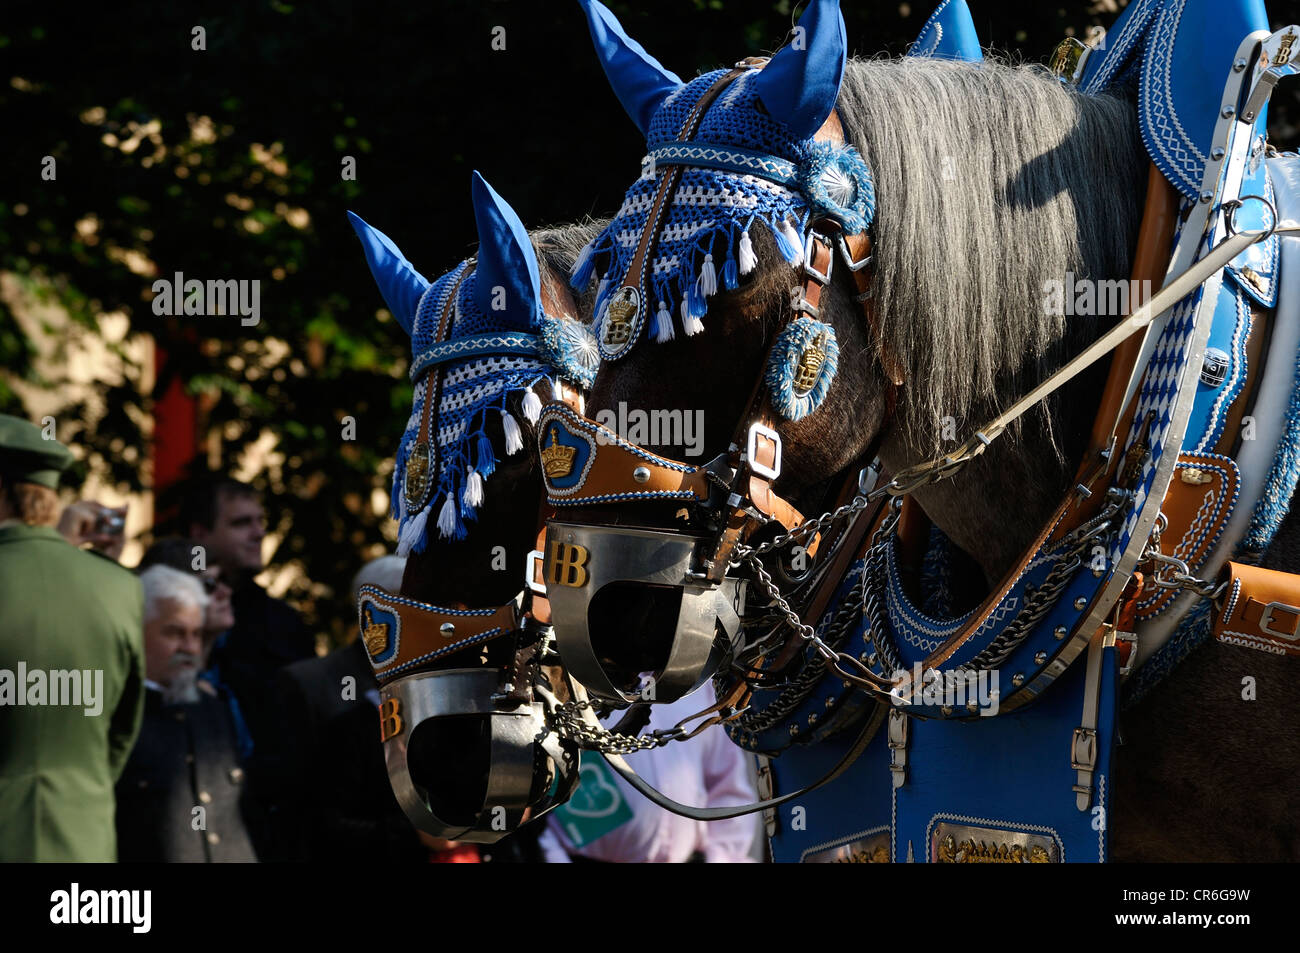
180	797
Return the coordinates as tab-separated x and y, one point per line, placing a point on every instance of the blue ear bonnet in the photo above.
742	166
481	365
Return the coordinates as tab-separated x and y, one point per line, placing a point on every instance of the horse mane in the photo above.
991	179
558	247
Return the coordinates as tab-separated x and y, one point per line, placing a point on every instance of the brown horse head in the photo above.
463	652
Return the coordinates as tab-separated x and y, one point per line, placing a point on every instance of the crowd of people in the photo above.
221	736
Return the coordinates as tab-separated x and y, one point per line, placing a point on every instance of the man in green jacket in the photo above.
71	667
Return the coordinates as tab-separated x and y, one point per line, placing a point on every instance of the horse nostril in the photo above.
448	760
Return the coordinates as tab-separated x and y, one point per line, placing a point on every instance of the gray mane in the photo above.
1040	180
558	248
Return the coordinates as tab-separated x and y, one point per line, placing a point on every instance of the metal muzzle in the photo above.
465	765
616	569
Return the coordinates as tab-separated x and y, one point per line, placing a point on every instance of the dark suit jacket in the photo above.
185	759
343	809
267	635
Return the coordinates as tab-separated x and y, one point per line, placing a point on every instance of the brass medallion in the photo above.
809	365
416	483
864	850
960	844
620	320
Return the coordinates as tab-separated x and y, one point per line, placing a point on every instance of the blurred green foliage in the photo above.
225	163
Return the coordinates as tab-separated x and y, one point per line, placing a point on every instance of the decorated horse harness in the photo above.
1110	580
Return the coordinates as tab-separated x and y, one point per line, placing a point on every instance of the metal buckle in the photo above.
868	477
1267	616
800	304
897	739
809	270
849	263
532	563
751	448
1087	737
1131	638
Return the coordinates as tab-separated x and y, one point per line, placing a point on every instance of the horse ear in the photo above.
399	282
949	34
507	287
639	81
800	84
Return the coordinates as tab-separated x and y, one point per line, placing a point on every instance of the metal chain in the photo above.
831	656
1180	576
794	695
569	724
1036	605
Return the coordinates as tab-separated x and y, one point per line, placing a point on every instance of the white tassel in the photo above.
473	495
708	281
748	260
689	324
514	439
532	407
664	319
793	237
447	516
412	532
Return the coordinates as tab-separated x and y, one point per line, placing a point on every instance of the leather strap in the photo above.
1259	609
616	467
426	632
667	186
1083	743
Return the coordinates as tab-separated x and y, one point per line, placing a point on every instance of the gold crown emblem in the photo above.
417	475
810	365
374	634
619	315
557	460
1284	49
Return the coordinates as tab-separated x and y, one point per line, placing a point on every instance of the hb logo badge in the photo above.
567	565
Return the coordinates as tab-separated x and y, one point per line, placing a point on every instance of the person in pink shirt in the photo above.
607	821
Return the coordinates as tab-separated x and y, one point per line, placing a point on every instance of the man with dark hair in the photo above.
71	667
226	518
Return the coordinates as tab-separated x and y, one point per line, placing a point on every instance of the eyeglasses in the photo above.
210	583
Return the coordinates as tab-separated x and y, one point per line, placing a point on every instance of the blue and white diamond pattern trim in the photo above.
475	345
727	159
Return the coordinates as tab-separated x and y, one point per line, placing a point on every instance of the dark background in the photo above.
416	93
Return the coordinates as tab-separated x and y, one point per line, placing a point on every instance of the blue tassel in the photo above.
787	250
730	273
695	304
487	460
584	267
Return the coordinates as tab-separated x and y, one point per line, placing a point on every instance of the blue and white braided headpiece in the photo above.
478	336
751	158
